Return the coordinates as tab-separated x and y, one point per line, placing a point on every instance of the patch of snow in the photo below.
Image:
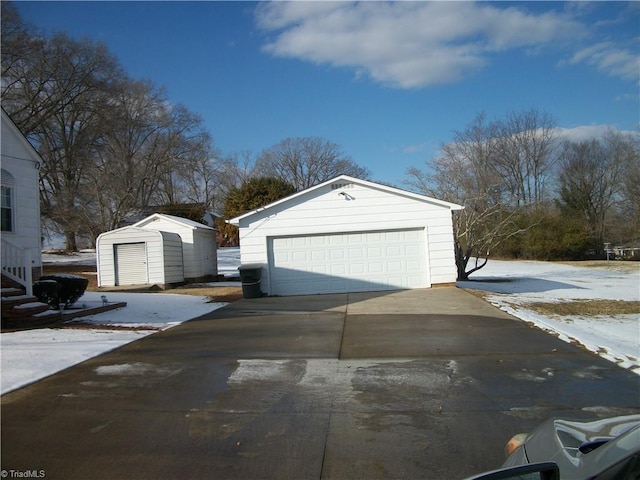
87	257
512	285
31	355
259	371
158	310
65	275
135	369
228	262
26	306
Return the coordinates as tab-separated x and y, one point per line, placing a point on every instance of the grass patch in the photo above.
589	308
616	265
586	308
87	271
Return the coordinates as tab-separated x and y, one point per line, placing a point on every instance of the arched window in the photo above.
7	189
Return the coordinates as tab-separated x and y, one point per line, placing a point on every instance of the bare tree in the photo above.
60	107
110	144
594	180
124	173
42	76
466	173
630	208
235	170
150	151
307	161
202	180
526	142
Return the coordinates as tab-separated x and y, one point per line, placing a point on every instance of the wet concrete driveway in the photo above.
413	384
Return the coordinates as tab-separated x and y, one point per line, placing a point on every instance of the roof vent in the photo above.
336	186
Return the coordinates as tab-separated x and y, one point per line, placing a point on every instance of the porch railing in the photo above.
17	265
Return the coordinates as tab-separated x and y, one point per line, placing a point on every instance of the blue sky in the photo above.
388	82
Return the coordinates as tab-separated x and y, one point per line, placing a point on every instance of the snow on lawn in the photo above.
514	285
31	355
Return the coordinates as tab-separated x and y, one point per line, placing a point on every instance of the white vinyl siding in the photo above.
131	264
348	262
162	257
199	245
323	211
20	163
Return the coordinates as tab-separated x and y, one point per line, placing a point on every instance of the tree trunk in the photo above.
70	241
461	263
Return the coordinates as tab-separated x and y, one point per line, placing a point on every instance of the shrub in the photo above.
47	291
71	288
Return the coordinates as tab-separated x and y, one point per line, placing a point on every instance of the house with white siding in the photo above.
349	235
20	206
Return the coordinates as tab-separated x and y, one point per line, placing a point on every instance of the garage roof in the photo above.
347	178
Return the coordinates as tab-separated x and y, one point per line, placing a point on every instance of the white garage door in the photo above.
348	262
131	264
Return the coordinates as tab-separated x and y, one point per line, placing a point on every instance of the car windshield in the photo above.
617	449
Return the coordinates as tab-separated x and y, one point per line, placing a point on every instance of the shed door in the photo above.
348	262
131	263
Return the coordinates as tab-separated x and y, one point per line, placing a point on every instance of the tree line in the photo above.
530	193
113	146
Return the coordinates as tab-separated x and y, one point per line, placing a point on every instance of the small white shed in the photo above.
138	256
199	246
349	235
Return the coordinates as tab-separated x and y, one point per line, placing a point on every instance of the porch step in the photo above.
11	292
19	309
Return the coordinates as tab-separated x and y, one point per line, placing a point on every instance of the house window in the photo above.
7	211
6	202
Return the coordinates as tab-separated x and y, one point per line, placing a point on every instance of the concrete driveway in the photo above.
423	384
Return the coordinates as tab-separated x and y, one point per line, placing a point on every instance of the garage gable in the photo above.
348	195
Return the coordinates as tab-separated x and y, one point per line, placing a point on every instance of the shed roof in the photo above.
185	222
138	230
347	178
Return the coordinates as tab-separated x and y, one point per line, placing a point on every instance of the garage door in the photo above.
131	264
348	262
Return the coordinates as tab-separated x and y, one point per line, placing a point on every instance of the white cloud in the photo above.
627	97
407	44
590	132
609	59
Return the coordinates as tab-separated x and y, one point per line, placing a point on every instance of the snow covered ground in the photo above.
514	286
31	355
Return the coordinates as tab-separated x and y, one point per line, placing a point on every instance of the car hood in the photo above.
561	441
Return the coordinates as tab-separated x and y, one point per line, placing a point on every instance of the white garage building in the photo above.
349	235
